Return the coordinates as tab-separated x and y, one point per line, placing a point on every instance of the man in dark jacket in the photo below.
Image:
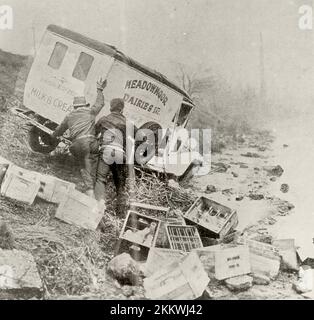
81	125
114	130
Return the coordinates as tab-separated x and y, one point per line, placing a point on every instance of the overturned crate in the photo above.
138	235
80	210
159	257
212	218
20	184
184	238
179	280
53	189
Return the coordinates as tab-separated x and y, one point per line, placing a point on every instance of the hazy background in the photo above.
217	40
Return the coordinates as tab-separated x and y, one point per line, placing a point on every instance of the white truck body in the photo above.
68	64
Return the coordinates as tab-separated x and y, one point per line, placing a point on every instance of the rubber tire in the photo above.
154	127
34	137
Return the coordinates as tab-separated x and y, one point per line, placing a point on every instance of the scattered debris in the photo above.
219	167
274	170
255	196
211	189
239	283
251	155
125	269
284	188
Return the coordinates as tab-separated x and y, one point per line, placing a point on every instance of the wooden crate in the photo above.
159	257
207	258
177	281
140	229
211	217
288	254
232	262
53	189
20	184
81	210
138	235
264	258
225	261
185	238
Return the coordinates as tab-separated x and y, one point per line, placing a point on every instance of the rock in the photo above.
244	166
6	237
235	175
284	188
274	170
125	269
228	192
210	189
254	196
220	167
285	145
127	291
19	276
240	283
261	279
251	155
239	198
273	179
262	149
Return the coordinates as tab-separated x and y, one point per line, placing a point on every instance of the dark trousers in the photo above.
86	151
123	178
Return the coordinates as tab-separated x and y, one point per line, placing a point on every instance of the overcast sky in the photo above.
218	34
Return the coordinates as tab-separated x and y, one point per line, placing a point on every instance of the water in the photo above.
297	160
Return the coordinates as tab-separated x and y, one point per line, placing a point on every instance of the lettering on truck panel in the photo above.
55	102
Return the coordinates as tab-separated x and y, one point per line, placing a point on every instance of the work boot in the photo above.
90	193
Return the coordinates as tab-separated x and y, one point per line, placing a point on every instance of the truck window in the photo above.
57	55
83	66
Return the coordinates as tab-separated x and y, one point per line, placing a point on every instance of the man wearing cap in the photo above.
114	130
81	124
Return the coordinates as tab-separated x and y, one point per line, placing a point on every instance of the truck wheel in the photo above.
152	150
40	141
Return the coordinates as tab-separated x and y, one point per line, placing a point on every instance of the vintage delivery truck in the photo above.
69	64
